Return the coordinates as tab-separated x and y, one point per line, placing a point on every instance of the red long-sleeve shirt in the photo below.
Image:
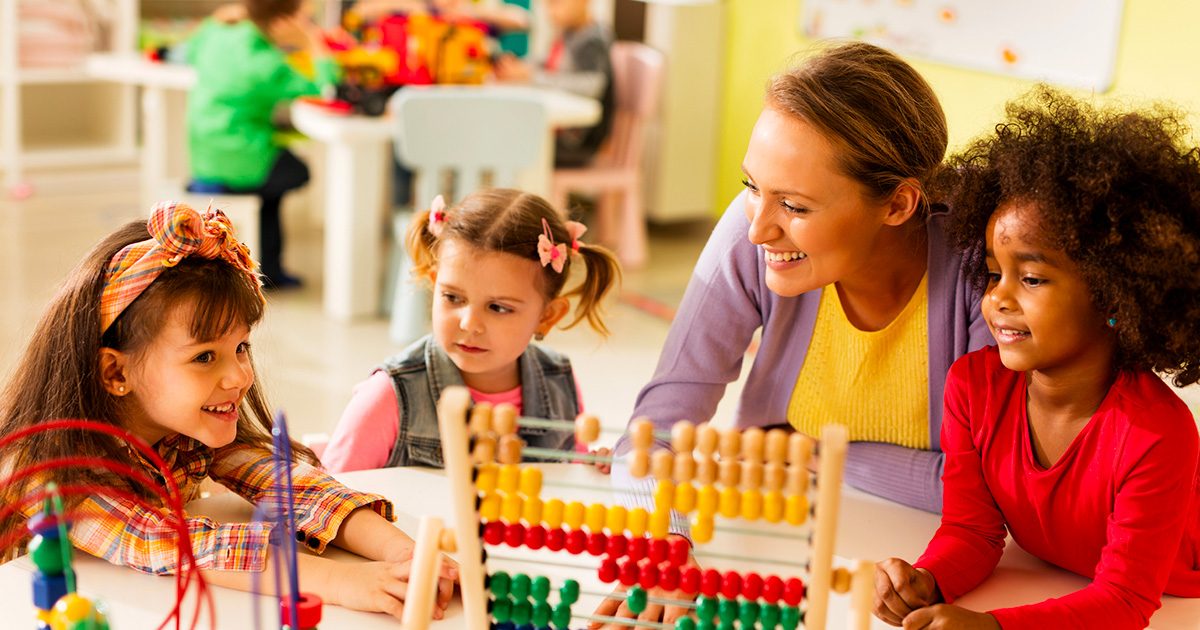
1121	506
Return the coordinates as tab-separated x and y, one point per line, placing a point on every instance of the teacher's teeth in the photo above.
785	256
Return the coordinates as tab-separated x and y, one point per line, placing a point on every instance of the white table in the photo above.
358	165
870	528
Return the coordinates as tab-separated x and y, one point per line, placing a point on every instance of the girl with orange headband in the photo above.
151	333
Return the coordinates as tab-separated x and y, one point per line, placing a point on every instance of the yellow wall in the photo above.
1153	62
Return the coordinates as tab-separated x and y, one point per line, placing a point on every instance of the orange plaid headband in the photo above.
177	231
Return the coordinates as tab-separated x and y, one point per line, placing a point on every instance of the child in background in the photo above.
151	334
578	62
1085	227
242	76
499	264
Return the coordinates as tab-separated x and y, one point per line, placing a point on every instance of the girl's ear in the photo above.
114	366
555	311
905	202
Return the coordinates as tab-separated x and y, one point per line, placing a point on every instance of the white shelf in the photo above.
51	76
79	156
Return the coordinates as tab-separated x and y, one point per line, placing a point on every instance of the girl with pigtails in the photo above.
499	263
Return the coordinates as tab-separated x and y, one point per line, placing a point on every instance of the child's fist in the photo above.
948	617
901	589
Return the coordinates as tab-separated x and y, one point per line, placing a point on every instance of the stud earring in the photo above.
1112	322
121	389
539	336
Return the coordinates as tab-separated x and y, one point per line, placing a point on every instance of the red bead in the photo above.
793	592
772	589
752	586
617	546
648	576
493	533
731	585
535	537
608	570
689	580
628	573
514	535
556	539
597	542
680	550
658	551
669	580
637	548
710	582
576	541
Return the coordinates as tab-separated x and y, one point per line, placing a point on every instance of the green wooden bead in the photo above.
47	554
727	610
726	624
521	612
520	587
562	616
685	623
636	601
568	593
540	589
499	583
541	614
790	618
748	614
706	609
502	609
769	616
705	625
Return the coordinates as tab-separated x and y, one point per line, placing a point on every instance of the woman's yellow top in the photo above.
874	383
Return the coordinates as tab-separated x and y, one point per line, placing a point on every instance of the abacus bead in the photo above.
710	582
752	444
614	519
774	476
768	617
587	429
730	472
793	591
684	469
639	519
774	506
685	498
730	445
706	441
706	469
595	516
841	581
800	446
552	513
731	502
531	482
597	542
539	589
514	534
662	463
489	507
702	531
685	623
532	511
636	600
556	539
486	477
535	537
480	421
789	618
731	585
447	541
668	579
510	479
520	586
522	611
511	507
706	608
575	514
642	433
628	573
638	548
797	509
608	570
797	479
648	575
708	500
683	436
639	462
484	450
776	446
618	544
660	524
504	419
509	450
727	610
748	614
772	589
493	533
576	541
752	586
752	475
664	495
568	593
561	618
541	614
499	583
657	550
752	505
502	609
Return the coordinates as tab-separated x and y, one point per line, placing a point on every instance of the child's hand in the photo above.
509	68
382	586
296	31
901	589
603	466
616	607
949	617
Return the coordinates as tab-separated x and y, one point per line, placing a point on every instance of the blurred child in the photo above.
242	77
1085	226
578	62
151	333
499	264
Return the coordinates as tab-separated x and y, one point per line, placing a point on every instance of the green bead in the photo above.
636	600
726	624
502	609
706	609
790	618
727	610
540	589
568	593
499	583
748	613
521	612
541	614
520	587
562	616
47	554
705	625
685	623
769	616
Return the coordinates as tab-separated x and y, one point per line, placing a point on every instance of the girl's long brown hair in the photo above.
58	375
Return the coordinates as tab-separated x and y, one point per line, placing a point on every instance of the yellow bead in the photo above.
660	524
702	530
510	476
552	514
531	482
797	509
731	502
595	517
489	507
841	581
614	520
685	498
532	513
511	507
664	496
709	500
485	477
73	608
639	519
575	514
752	505
773	506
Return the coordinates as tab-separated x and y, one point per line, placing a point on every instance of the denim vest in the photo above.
423	370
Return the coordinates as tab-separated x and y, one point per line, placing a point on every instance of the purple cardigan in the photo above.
727	300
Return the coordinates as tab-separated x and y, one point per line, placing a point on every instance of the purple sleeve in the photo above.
366	433
911	476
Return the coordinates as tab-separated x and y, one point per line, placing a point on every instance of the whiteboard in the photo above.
1068	42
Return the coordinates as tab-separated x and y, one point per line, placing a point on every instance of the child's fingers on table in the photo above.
445	592
889	606
902	577
389	605
653	613
607	608
671	614
920	619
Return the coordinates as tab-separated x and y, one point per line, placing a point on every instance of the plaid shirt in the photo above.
127	534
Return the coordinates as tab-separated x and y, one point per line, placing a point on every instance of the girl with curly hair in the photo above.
1083	225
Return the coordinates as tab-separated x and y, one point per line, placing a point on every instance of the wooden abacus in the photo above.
496	501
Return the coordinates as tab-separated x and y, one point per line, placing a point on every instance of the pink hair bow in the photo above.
548	252
575	229
437	216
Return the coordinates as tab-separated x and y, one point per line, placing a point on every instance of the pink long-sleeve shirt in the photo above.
1121	506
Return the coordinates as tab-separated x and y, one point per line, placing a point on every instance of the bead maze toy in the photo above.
748	475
